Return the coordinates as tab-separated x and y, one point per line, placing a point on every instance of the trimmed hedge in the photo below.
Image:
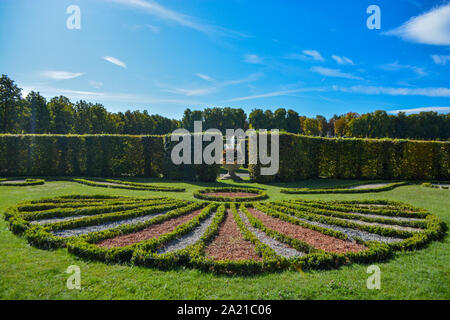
202	194
95	156
345	189
119	184
436	185
28	182
301	157
304	157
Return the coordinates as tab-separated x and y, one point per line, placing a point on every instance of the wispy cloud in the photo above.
253	59
192	92
314	54
216	85
115	61
276	94
439	59
374	90
150	27
342	60
159	11
61	75
306	55
96	84
395	66
431	27
100	97
423	109
204	77
335	73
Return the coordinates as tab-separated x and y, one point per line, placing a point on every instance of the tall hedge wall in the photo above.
95	156
81	155
305	157
301	157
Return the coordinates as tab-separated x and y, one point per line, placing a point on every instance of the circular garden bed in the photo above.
231	194
228	238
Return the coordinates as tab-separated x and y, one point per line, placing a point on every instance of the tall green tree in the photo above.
63	115
13	110
40	116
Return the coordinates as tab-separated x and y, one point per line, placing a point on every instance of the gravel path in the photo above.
385	217
54	220
376	224
351	233
109	225
189	238
13	181
280	248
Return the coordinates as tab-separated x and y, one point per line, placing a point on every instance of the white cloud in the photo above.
276	94
342	60
253	59
424	109
164	13
217	85
126	98
306	55
335	73
61	75
428	92
313	54
157	10
204	77
192	92
150	27
115	61
96	84
432	27
442	60
395	66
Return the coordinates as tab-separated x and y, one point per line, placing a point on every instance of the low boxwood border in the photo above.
120	184
345	189
434	185
259	194
26	183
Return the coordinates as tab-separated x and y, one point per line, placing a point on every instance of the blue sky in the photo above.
316	57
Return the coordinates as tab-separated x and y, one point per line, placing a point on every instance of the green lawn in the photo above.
30	273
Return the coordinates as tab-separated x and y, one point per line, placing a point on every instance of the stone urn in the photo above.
231	168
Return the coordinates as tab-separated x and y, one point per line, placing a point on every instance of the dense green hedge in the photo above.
306	157
95	156
301	157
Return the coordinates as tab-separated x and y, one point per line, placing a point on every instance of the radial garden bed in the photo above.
227	238
370	186
231	194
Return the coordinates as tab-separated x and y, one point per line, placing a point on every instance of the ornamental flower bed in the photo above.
231	194
229	238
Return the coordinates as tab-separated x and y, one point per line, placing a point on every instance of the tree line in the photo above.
34	114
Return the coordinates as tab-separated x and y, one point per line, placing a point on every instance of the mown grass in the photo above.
30	273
